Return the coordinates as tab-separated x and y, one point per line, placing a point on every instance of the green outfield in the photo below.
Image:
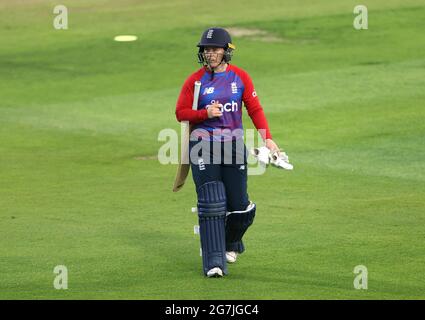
81	186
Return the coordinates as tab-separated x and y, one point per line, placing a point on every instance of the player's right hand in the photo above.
214	110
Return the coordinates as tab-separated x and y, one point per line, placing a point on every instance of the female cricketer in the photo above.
218	155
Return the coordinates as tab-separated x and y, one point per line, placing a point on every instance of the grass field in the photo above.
78	111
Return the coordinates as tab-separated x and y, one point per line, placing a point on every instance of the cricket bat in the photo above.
184	164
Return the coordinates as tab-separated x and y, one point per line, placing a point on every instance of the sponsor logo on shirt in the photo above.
228	107
208	90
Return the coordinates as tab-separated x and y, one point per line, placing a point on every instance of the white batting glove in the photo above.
280	159
262	154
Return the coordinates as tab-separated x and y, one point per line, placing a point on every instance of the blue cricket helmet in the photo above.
216	37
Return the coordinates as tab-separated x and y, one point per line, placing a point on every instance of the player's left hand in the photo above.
271	145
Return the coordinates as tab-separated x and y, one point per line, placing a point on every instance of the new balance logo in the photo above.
208	90
201	164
